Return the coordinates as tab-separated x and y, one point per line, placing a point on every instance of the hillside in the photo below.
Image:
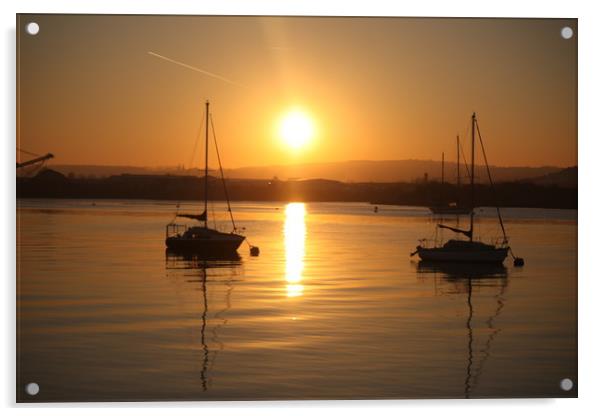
566	178
349	171
52	184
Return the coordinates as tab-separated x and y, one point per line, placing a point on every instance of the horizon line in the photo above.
178	167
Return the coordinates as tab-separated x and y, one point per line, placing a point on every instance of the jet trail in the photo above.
211	74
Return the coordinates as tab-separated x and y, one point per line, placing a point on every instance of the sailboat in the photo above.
202	239
470	251
452	208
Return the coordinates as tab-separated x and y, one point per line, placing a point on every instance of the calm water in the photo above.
333	308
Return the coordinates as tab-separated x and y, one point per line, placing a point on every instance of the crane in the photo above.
34	161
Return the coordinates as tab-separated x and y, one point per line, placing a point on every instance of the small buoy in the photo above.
254	251
519	261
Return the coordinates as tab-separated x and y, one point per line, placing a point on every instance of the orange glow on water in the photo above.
294	243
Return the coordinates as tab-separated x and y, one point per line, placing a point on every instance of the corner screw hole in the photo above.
566	384
32	389
566	32
32	28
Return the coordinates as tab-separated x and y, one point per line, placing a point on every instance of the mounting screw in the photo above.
32	28
566	384
32	389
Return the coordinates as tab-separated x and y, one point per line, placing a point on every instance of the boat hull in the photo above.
211	245
442	254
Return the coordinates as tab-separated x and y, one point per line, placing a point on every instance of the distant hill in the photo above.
349	171
566	178
104	170
52	184
387	171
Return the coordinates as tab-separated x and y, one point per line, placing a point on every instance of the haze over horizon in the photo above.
347	171
182	166
130	90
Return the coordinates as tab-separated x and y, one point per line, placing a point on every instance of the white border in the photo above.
590	72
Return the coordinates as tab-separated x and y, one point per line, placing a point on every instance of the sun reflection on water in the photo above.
294	243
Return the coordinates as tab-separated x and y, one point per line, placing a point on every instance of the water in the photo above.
333	308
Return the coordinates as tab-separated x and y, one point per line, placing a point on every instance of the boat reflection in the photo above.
485	273
218	271
195	260
459	278
294	244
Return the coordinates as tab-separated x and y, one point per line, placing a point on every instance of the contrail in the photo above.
211	74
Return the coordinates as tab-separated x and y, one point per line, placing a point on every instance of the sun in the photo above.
296	128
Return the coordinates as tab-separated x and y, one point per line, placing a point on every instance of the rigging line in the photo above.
462	149
212	205
196	142
34	170
497	207
27	152
466	129
464	158
219	161
42	166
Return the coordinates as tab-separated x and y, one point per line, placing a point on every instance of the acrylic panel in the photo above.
285	208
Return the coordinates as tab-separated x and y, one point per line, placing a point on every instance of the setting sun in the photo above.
296	128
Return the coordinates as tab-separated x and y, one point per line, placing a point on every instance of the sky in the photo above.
130	90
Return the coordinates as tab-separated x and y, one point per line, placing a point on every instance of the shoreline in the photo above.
368	203
52	184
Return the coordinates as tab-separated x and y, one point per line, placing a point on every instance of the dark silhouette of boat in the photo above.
468	251
205	240
464	251
201	238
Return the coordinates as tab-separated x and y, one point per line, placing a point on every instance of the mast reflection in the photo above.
294	244
205	269
458	278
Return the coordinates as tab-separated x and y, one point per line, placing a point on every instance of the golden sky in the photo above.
90	92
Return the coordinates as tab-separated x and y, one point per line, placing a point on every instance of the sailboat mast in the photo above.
207	157
458	160
458	190
474	116
442	168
